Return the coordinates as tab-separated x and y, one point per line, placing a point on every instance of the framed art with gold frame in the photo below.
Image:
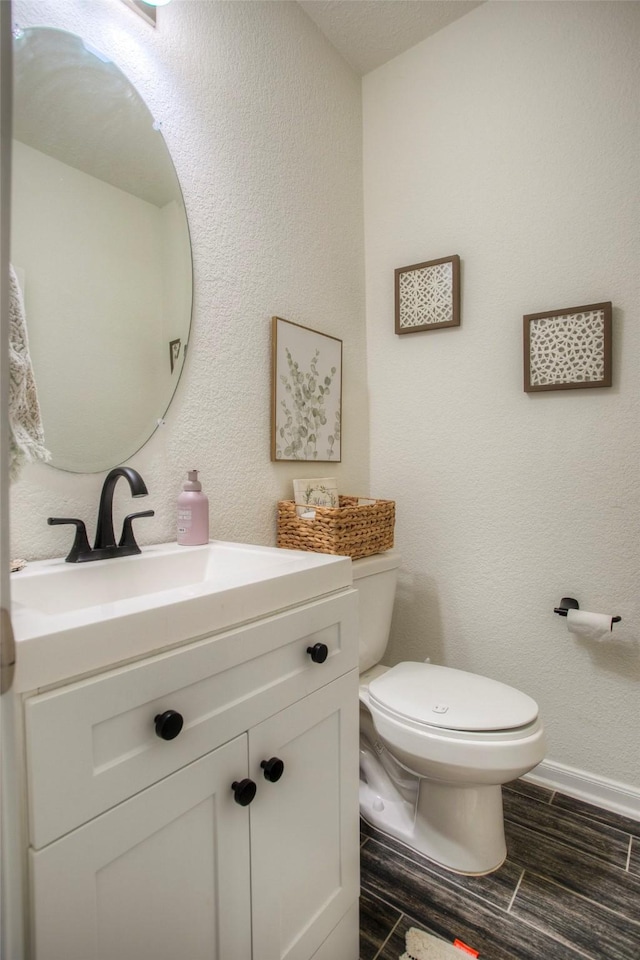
306	393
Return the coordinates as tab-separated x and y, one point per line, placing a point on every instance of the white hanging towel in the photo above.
25	424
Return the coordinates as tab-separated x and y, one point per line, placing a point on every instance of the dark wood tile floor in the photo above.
569	889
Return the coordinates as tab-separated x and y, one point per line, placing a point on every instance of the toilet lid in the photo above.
451	699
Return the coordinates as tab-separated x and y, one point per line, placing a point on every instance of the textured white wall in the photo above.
263	119
512	138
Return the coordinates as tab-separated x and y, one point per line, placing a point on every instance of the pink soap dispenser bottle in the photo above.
193	513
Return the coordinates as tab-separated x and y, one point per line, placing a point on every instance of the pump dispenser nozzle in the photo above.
193	483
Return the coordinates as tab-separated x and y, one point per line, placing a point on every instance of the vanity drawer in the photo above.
93	744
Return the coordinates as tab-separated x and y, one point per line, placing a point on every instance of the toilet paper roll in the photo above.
591	626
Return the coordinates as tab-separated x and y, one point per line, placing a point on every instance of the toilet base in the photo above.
460	828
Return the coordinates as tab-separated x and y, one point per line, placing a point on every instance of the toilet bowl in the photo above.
436	744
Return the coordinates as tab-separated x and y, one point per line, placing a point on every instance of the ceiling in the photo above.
369	32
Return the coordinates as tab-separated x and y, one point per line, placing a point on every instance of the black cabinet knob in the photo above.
243	791
318	652
168	724
273	769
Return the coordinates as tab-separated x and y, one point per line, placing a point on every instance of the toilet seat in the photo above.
445	700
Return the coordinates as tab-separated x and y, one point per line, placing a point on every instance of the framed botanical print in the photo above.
306	393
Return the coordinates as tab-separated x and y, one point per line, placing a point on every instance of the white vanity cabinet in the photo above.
139	848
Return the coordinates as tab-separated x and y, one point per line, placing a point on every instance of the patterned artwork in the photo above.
306	400
569	348
428	295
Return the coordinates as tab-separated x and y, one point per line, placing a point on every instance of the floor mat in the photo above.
424	946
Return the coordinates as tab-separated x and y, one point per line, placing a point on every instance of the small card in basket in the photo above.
321	492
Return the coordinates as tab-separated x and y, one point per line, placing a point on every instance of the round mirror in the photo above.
100	246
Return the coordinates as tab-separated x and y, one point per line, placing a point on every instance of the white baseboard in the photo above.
619	797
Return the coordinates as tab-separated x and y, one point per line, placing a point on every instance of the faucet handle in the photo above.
127	539
80	549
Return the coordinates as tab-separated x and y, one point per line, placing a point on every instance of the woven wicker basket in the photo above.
348	530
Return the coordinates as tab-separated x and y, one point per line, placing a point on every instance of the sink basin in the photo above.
54	587
109	611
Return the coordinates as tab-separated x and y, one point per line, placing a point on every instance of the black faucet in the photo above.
105	546
104	531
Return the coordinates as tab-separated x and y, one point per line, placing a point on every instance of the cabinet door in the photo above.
164	875
304	827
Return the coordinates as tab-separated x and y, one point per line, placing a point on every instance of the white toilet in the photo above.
436	744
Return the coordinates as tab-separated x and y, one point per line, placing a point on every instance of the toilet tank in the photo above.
375	580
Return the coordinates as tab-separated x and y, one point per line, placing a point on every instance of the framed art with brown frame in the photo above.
306	393
568	349
428	295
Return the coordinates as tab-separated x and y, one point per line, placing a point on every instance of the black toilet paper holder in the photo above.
568	603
